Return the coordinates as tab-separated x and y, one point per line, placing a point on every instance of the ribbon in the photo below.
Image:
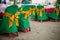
26	14
40	11
12	18
57	11
32	10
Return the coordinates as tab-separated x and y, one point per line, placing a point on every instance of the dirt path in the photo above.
40	31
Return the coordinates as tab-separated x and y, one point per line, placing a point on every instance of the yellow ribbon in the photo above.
57	11
32	10
12	18
40	11
26	14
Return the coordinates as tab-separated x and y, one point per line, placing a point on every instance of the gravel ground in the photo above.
40	31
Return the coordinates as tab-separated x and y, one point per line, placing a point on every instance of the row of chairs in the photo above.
41	13
15	18
11	22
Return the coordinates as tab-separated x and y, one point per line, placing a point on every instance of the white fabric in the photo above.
3	7
52	1
49	6
37	1
43	2
19	5
20	1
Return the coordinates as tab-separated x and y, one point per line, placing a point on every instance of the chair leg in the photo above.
32	19
35	19
29	29
17	33
41	21
56	20
11	36
25	30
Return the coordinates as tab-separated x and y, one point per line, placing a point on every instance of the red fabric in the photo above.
1	14
48	10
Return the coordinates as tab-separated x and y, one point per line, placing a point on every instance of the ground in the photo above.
39	31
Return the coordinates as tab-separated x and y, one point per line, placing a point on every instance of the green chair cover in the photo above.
53	15
5	26
44	15
33	14
24	23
